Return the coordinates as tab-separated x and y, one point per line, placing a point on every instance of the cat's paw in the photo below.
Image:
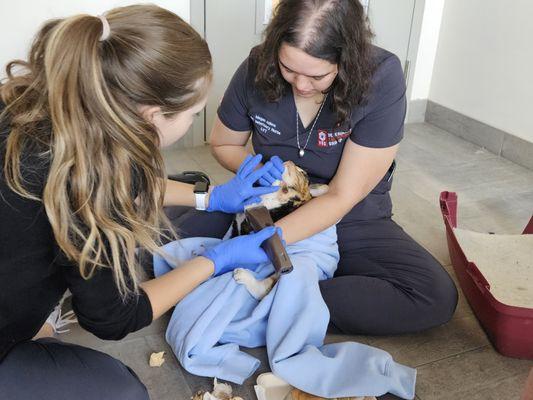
258	289
243	276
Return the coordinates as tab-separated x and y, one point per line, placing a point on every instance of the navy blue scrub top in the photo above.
377	124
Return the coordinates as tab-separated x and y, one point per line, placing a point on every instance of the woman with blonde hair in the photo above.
83	186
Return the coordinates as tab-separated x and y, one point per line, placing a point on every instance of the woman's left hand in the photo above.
232	196
241	251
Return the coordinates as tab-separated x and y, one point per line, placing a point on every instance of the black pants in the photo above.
385	283
48	369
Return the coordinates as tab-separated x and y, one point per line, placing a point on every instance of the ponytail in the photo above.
99	147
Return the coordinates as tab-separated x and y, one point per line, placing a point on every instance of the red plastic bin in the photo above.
510	329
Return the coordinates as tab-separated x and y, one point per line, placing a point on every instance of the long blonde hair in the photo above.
76	102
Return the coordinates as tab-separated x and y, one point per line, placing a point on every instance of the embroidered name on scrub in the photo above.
264	125
330	138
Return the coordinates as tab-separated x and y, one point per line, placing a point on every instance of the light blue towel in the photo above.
208	326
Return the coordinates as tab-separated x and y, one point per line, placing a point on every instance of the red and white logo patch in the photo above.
331	138
322	138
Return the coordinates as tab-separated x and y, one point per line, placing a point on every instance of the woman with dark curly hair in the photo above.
317	92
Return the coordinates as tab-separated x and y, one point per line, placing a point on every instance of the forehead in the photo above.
199	106
299	61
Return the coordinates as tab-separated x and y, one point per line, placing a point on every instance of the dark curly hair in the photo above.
334	30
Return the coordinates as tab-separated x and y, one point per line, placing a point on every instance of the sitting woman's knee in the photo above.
124	384
445	297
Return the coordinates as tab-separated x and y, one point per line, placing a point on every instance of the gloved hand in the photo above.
232	196
274	173
241	251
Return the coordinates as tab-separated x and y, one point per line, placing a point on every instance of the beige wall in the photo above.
20	19
484	63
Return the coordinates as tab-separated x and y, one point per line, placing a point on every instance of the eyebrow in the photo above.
309	76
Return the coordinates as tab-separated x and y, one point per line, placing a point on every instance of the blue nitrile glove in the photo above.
274	173
241	251
232	196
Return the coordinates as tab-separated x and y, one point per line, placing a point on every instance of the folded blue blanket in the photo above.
208	326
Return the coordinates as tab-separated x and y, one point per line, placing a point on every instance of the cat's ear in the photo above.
318	189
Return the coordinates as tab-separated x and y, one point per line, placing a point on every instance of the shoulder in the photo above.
4	124
4	132
388	70
387	82
34	158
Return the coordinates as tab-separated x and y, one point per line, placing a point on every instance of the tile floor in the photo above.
454	361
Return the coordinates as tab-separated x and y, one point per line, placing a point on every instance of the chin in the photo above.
169	141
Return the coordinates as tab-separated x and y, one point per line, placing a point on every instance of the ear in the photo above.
149	112
318	189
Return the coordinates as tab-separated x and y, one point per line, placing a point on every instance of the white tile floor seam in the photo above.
454	361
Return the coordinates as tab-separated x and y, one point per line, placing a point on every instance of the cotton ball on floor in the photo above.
156	359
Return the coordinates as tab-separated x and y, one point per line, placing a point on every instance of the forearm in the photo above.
315	216
167	290
181	194
366	166
230	156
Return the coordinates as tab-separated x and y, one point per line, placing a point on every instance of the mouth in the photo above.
304	94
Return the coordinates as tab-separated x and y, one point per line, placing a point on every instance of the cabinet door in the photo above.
231	31
391	21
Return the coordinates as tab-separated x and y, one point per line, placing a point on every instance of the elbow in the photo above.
218	154
110	335
215	150
343	202
115	328
105	333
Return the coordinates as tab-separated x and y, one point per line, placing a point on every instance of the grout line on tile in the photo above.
453	355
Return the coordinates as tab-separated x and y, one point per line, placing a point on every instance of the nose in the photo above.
302	83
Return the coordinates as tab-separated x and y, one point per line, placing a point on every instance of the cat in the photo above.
295	190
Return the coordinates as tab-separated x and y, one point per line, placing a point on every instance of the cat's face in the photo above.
294	189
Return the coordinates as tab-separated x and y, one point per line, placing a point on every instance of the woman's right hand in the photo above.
241	251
